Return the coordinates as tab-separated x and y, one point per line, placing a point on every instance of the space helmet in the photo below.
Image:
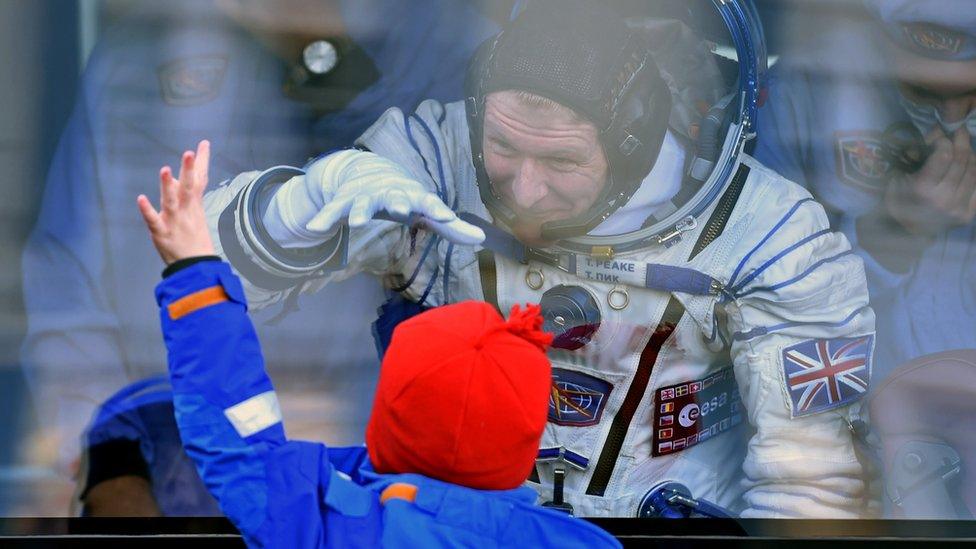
584	55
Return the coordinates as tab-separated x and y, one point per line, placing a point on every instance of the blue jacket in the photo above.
282	493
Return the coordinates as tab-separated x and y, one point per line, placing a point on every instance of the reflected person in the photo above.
878	122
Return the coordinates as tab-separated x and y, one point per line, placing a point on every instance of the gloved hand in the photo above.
360	186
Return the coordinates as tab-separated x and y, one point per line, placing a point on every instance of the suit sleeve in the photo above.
802	339
271	272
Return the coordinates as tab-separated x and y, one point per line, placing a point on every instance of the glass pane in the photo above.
748	225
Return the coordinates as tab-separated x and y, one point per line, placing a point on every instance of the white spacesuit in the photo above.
723	346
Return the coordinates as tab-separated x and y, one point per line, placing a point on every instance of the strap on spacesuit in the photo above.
561	458
489	277
557	502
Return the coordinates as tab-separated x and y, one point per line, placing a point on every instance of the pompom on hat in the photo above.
463	396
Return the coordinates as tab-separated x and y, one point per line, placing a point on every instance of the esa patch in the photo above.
577	399
860	159
692	412
934	40
192	80
822	374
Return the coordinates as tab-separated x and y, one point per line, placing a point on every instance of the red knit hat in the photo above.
463	396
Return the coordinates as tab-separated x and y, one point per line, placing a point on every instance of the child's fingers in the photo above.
149	214
187	175
185	187
202	165
168	189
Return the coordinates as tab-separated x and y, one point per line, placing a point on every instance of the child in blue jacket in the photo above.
460	407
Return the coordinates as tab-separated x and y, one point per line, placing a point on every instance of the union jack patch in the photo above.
822	374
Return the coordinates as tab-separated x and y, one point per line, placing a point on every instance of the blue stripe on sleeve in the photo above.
785	218
437	155
763	330
717	332
423	258
798	277
416	148
777	257
430	286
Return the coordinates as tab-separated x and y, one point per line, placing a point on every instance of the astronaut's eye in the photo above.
563	164
501	147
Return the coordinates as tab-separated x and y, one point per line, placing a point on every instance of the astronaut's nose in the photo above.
530	185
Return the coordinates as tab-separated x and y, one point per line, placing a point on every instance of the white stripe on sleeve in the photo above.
254	414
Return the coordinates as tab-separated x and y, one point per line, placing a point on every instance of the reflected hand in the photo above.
179	229
942	194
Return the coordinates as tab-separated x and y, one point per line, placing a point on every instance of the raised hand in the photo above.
366	186
942	194
179	229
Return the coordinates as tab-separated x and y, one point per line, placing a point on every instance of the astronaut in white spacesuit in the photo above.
711	330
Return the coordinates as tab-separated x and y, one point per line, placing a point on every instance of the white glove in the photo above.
360	186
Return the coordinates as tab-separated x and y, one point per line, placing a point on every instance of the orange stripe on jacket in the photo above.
196	301
399	490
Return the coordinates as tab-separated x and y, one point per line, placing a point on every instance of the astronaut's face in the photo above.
949	86
545	162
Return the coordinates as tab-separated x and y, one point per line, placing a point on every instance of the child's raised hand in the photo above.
179	229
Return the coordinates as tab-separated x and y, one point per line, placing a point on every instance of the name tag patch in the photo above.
577	399
612	271
693	412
